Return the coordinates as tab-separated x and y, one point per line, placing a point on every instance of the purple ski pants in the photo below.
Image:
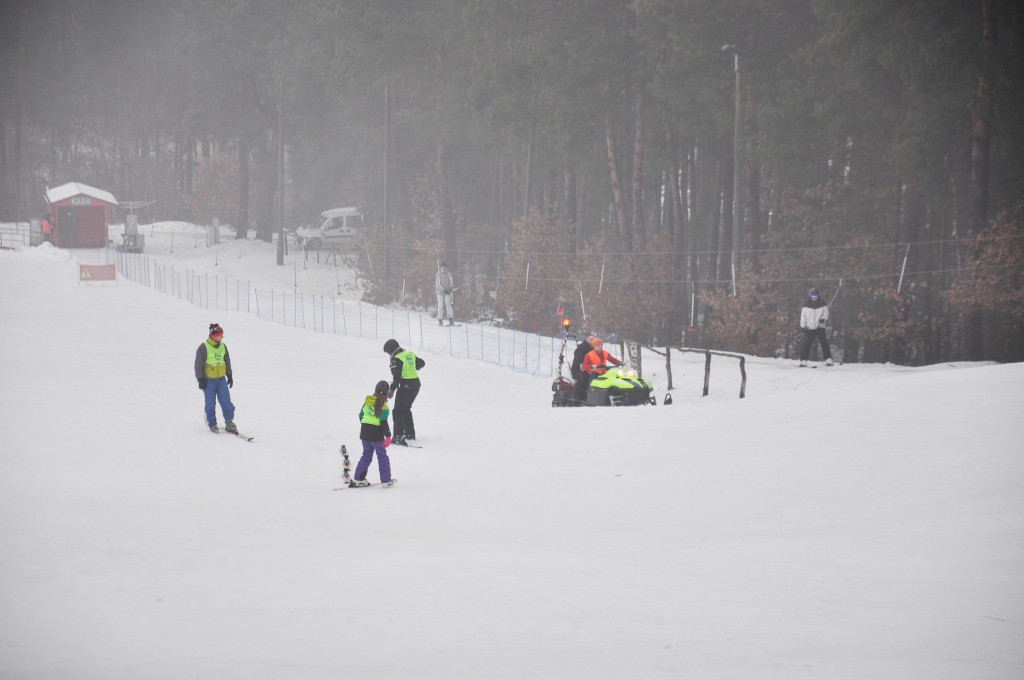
383	462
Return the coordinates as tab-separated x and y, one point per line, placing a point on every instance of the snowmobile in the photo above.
618	386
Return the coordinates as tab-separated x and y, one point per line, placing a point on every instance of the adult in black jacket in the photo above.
405	386
582	379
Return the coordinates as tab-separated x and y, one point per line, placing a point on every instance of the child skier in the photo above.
213	373
376	436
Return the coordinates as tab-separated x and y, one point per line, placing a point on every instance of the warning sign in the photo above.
96	272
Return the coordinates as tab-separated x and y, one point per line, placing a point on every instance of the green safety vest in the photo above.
408	360
215	365
367	415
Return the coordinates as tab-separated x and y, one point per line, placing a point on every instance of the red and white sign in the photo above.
96	272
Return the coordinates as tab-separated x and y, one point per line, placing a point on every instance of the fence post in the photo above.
668	365
707	371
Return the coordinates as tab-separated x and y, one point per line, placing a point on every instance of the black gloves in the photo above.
391	393
231	382
202	383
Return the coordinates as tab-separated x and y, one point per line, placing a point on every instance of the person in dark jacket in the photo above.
405	386
376	437
213	373
813	318
580	378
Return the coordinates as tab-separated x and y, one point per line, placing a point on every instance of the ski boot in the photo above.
230	427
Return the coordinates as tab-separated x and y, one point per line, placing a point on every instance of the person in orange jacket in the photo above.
597	360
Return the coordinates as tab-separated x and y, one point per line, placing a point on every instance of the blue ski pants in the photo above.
217	388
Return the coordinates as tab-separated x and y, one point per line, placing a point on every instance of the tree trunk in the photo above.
981	121
242	228
528	177
639	233
726	247
678	215
981	129
18	123
752	214
445	199
190	165
620	200
569	183
266	174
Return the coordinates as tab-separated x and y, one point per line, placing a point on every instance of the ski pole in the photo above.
836	294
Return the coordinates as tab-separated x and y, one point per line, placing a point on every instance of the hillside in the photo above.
843	523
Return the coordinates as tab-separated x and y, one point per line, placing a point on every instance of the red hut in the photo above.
80	215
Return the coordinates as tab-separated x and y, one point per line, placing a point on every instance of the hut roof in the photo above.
70	189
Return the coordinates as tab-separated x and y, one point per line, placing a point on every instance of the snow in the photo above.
861	521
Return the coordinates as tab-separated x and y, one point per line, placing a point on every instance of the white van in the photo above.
338	228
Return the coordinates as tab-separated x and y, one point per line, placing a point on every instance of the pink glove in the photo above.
387	442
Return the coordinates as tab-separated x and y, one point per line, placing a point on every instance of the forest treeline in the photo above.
677	171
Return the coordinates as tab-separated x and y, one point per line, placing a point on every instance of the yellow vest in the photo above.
215	365
367	414
408	360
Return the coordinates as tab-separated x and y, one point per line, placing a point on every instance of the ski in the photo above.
237	434
407	444
369	486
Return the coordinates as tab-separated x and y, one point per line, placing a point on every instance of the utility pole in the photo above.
280	168
387	178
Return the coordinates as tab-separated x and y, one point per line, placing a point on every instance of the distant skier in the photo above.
405	385
813	318
376	437
581	378
597	360
213	371
444	286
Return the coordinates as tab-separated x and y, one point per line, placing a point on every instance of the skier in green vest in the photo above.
376	437
405	385
213	372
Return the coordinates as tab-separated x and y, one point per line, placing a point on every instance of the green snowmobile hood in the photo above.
622	378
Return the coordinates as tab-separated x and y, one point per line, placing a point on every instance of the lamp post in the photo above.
735	163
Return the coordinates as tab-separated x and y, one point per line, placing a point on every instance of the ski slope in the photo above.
861	521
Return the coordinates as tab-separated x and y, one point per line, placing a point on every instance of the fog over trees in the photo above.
681	170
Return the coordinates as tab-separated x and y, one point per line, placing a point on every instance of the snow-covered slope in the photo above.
857	522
